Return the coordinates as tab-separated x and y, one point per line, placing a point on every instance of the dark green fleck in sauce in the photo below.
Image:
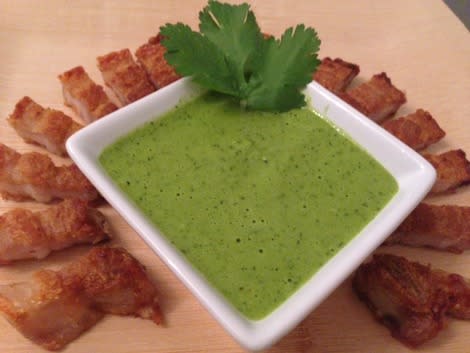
257	202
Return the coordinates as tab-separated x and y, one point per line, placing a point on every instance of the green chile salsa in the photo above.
256	201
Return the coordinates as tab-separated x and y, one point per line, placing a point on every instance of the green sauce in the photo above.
257	202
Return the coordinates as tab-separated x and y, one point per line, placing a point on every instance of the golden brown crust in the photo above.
124	76
34	176
453	170
335	75
47	311
411	299
55	307
48	128
156	39
116	281
152	58
404	296
26	235
443	227
457	289
418	130
87	98
377	98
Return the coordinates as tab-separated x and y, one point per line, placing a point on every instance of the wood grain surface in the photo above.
420	44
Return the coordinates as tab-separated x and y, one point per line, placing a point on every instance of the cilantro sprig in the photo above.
230	55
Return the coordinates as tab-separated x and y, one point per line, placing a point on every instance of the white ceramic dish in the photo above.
414	175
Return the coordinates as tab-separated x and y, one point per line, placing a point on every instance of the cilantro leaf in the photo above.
288	65
192	54
230	55
234	30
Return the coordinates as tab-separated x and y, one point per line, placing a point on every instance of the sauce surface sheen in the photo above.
257	202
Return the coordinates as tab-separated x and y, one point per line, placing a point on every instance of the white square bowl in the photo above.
414	175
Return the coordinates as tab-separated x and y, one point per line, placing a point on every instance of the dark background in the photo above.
461	9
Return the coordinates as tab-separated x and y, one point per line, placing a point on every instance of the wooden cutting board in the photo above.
420	44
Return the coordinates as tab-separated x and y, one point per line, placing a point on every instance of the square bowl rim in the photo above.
414	180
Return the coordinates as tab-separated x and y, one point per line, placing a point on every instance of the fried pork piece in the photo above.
26	235
403	295
377	98
55	307
34	176
49	128
48	311
335	75
124	76
85	97
151	56
453	170
457	289
445	227
410	298
418	130
116	282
